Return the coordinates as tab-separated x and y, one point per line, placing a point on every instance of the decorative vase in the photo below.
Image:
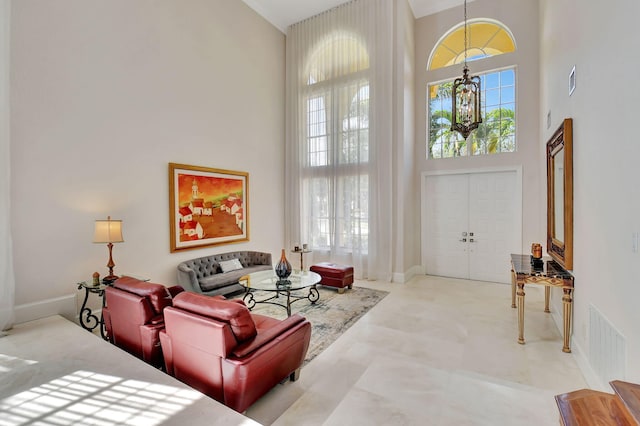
283	267
536	250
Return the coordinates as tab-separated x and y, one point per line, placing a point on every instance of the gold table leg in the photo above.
567	303
513	289
547	293
520	298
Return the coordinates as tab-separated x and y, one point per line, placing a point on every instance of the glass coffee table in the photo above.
286	291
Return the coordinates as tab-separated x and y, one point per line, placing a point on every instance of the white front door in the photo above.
447	218
472	224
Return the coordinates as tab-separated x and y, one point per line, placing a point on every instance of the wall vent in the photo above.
607	348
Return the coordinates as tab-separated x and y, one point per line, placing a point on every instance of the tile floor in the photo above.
435	351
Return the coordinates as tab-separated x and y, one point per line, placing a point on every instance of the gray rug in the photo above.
330	316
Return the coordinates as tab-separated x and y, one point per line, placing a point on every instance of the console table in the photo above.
550	274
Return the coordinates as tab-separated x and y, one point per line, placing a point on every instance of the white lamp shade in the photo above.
108	231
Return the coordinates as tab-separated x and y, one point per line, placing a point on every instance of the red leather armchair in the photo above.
133	316
221	349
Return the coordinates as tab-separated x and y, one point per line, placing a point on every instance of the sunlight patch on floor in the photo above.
88	398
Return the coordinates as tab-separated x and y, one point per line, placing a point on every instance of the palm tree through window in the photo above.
496	134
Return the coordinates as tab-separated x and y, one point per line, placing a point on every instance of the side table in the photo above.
302	253
88	320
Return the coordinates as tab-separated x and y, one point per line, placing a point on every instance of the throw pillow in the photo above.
230	265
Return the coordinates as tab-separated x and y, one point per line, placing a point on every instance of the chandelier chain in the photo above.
465	33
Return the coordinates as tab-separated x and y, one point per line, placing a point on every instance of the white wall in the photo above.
7	287
521	18
598	38
407	242
104	95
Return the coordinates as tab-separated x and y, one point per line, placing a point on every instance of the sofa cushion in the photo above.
157	293
213	282
235	314
230	265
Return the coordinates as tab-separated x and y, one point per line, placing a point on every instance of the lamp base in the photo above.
109	279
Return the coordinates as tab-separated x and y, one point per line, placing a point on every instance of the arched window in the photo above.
485	38
497	133
339	55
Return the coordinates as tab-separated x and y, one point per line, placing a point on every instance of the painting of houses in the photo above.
192	230
185	214
208	206
197	206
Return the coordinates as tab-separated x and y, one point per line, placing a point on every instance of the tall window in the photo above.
339	162
335	173
497	133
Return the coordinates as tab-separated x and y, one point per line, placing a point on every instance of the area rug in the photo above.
330	316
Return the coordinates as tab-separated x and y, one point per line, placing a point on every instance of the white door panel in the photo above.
485	204
447	218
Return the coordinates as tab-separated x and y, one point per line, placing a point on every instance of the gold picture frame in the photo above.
560	195
207	206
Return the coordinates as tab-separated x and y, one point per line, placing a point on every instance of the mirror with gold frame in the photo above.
560	195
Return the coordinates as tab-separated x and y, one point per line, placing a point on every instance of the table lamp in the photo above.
108	231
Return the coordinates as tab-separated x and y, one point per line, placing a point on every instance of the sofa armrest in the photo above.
267	336
174	290
187	278
157	320
106	318
167	352
149	336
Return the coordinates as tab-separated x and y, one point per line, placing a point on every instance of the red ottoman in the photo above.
334	275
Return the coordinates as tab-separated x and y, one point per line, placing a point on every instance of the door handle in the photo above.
464	234
464	240
471	240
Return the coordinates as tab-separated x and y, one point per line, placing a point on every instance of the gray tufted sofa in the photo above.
204	275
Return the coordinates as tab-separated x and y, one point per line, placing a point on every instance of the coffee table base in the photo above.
249	299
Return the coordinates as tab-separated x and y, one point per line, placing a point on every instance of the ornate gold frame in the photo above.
218	200
560	248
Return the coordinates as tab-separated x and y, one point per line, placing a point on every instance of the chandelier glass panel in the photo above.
466	96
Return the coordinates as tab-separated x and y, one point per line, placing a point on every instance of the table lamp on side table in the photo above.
108	231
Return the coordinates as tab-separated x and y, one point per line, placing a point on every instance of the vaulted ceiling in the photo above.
282	13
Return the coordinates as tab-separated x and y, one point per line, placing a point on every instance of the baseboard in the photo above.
65	306
403	277
581	357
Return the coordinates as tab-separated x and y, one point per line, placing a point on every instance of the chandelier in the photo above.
465	112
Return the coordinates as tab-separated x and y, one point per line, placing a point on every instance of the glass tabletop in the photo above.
268	281
91	286
548	267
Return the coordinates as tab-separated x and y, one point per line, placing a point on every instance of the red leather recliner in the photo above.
133	316
221	349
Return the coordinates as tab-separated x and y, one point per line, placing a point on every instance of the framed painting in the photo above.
207	206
